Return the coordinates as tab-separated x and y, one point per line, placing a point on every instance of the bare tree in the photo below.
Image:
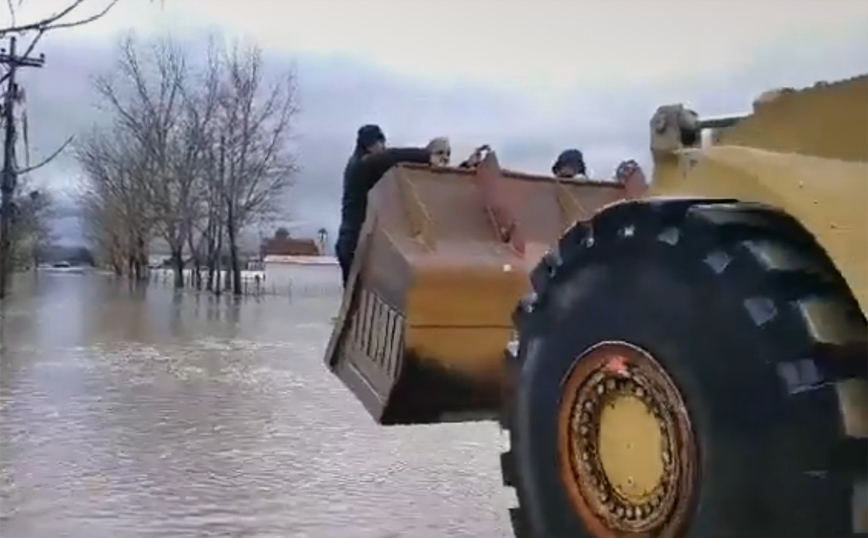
102	227
197	162
152	99
205	150
213	231
257	120
117	214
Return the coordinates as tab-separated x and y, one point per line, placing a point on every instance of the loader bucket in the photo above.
441	263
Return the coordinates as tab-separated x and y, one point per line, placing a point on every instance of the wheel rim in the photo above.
626	447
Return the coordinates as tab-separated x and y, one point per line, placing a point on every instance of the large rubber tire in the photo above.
757	331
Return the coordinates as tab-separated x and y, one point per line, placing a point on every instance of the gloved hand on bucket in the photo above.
476	157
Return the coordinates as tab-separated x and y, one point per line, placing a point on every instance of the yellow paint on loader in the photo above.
804	152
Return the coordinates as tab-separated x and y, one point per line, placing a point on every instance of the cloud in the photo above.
609	124
529	82
547	44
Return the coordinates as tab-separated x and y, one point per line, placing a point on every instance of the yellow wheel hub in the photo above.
626	446
630	448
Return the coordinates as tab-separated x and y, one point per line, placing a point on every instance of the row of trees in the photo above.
188	152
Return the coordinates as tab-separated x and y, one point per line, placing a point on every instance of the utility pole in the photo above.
9	173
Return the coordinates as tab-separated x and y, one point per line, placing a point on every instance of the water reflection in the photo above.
144	413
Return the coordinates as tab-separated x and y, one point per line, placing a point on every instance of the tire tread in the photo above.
799	273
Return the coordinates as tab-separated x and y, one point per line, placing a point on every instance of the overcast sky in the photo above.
528	77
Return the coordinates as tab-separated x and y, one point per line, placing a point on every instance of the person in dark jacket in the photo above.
570	164
368	163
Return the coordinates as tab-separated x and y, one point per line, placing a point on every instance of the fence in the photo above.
309	282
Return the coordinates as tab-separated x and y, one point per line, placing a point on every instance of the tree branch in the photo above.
53	22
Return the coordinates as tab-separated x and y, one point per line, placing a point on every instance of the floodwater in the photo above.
150	414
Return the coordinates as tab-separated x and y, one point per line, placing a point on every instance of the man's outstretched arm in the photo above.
376	164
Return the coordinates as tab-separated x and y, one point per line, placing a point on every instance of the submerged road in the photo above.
149	414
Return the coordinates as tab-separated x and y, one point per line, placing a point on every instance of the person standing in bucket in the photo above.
368	163
569	164
632	177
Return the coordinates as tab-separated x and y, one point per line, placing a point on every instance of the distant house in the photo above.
284	245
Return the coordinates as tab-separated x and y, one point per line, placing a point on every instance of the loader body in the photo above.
736	286
426	315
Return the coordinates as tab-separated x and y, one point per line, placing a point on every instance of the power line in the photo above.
9	173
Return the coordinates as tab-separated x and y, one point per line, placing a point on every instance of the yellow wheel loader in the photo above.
688	363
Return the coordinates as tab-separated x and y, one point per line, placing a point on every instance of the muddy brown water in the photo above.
133	414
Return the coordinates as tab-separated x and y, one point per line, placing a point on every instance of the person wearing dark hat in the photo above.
368	163
570	163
